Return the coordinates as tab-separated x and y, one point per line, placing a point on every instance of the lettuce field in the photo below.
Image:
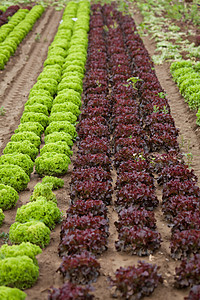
100	150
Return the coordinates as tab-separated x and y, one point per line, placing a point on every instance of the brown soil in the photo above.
16	80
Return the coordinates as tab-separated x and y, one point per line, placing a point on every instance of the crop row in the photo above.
135	190
186	74
21	151
6	13
35	219
84	231
15	31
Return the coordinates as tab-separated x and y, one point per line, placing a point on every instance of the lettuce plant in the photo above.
75	62
44	189
180	172
72	57
88	207
63	116
187	76
194	102
58	147
177	187
185	243
39	92
93	160
24	147
91	112
187	83
99	130
19	272
59	126
70	291
27	249
35	117
47	84
125	110
59	136
37	108
178	204
51	71
32	127
90	174
66	106
127	153
94	83
52	163
139	165
161	161
163	128
188	272
35	232
26	135
54	59
40	99
139	241
136	282
56	182
125	131
7	293
19	159
92	121
130	141
132	216
8	197
99	102
138	194
164	141
92	190
180	64
133	177
75	241
71	73
40	210
158	117
14	176
64	84
80	268
186	220
74	68
56	51
83	223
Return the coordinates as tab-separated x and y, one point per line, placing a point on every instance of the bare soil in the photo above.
15	82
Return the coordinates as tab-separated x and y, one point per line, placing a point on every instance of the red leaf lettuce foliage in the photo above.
135	283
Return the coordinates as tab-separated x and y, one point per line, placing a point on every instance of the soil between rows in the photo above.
15	82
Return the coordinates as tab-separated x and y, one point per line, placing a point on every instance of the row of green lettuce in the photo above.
6	29
12	34
58	92
186	74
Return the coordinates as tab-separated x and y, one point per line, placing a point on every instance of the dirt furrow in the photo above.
17	81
